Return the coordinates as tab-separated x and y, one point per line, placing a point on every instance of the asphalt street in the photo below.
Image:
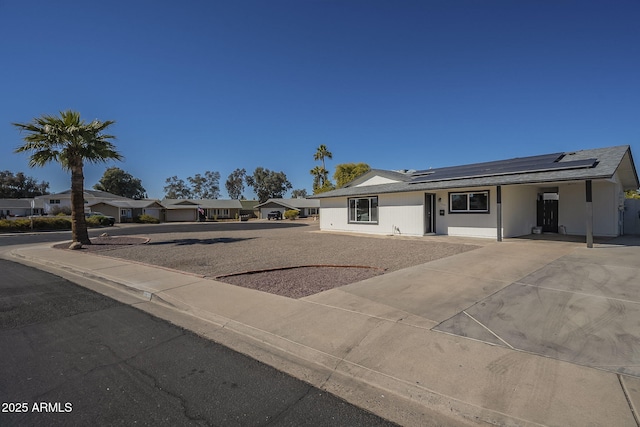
74	357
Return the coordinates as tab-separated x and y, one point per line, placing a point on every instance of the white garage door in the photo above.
181	215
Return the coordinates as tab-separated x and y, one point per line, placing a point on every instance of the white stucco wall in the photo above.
519	209
572	208
401	213
466	224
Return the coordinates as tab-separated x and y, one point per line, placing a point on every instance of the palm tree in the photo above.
320	176
71	142
321	154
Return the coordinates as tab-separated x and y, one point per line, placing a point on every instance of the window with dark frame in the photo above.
469	202
363	210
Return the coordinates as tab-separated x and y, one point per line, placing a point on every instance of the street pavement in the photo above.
71	356
511	333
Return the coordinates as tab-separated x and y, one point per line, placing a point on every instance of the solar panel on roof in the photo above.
544	163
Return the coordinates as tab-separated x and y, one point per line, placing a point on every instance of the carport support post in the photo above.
499	211
589	197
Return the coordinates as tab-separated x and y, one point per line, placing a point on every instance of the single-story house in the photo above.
63	199
195	209
248	208
125	210
20	208
577	193
306	207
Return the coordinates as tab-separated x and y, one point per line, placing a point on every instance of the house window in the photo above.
471	202
54	201
364	209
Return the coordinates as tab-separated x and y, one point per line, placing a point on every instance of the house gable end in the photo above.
376	180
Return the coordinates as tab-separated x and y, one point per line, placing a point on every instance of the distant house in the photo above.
306	207
63	199
126	210
577	192
248	208
192	209
20	207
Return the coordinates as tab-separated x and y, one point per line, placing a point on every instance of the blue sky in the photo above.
219	85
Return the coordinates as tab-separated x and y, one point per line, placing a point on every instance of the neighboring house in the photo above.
632	216
187	209
125	210
306	207
248	208
19	207
63	199
578	193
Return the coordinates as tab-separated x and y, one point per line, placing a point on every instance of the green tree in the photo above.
632	194
268	184
20	186
205	187
121	183
321	153
299	193
72	142
328	186
320	174
235	183
176	189
347	172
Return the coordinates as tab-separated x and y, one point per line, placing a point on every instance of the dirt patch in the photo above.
299	282
217	250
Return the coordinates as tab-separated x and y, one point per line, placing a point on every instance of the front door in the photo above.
429	216
548	215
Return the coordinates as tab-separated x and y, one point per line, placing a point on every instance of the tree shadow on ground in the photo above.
189	242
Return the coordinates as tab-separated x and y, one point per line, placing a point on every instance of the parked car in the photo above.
274	215
104	219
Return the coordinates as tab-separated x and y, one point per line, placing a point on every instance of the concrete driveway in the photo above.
584	308
552	298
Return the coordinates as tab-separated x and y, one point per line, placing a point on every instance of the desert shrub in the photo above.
146	219
96	221
291	214
52	223
39	223
60	210
15	225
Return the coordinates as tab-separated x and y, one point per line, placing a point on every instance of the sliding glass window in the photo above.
471	202
364	210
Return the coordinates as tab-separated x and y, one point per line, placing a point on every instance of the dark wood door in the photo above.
548	215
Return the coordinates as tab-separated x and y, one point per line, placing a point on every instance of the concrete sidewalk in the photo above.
373	343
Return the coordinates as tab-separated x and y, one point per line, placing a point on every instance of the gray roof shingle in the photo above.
607	161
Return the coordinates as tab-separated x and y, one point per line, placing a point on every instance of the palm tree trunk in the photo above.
78	224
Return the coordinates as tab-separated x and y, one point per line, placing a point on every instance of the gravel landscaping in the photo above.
238	252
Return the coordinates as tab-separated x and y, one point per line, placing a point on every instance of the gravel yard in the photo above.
251	247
